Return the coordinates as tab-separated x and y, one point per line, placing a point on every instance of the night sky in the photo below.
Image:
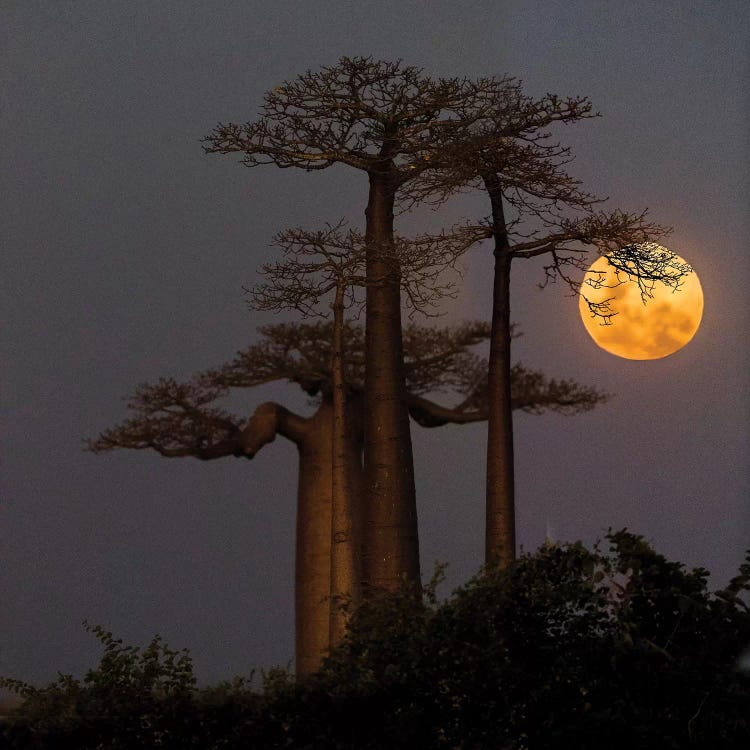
125	251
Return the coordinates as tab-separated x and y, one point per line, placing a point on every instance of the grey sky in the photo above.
125	250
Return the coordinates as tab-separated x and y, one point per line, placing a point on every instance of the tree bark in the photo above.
312	565
345	557
314	437
500	529
312	576
312	585
391	547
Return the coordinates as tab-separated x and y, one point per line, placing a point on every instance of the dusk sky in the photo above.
125	250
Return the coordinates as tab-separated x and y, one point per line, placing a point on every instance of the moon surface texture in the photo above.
653	329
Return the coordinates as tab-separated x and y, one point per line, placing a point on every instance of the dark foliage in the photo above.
136	698
619	648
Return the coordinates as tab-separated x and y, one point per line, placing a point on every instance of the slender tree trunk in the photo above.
355	410
345	568
500	534
391	547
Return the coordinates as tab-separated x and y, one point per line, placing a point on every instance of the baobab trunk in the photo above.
313	547
390	543
312	576
345	557
500	529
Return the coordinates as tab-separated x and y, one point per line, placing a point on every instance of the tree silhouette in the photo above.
384	120
537	209
317	266
185	419
420	139
329	266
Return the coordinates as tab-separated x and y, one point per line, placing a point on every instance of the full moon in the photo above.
653	329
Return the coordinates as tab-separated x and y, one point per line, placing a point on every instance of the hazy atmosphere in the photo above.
126	249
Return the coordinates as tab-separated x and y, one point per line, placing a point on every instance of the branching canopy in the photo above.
369	113
538	207
315	263
181	419
175	419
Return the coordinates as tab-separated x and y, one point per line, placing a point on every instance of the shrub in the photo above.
568	647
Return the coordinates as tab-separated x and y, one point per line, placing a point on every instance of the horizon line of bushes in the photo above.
568	647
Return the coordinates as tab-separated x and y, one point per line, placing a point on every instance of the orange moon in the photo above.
657	328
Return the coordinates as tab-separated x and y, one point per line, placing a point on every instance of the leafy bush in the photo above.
568	648
135	698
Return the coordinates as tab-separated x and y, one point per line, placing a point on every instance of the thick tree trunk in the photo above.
500	532
312	580
345	557
391	547
314	519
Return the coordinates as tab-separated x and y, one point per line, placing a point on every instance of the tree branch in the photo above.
532	392
174	419
268	420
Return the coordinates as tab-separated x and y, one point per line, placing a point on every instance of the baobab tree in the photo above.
422	139
384	120
186	420
322	272
326	265
537	209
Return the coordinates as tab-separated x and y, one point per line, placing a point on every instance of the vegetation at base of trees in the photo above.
568	647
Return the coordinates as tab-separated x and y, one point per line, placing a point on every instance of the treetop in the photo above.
375	115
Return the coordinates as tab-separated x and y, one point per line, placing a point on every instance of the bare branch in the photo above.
532	392
174	419
345	113
627	239
372	114
178	419
268	420
502	132
317	262
296	352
